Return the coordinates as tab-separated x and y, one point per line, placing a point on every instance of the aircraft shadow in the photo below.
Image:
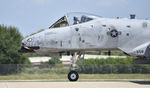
142	82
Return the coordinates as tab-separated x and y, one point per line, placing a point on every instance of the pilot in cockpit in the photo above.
76	20
85	19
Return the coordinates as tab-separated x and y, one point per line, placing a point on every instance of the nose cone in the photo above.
27	45
23	43
27	42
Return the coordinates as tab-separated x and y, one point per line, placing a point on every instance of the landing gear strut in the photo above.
73	75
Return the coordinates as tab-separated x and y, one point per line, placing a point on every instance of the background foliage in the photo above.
112	65
10	39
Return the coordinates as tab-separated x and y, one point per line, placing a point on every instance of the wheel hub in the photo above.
73	76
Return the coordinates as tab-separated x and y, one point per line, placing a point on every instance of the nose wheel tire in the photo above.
73	76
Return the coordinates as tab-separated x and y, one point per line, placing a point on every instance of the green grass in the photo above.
82	76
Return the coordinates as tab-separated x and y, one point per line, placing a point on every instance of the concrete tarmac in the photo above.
74	85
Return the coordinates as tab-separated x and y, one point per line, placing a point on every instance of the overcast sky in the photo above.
31	15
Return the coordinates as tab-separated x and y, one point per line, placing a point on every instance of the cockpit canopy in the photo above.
72	19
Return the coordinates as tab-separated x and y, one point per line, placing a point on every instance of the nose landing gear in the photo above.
73	75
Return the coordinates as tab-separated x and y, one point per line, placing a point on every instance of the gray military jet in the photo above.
76	33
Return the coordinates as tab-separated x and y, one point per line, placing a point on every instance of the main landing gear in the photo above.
73	75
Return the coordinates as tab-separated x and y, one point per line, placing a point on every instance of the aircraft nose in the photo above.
27	41
23	42
25	45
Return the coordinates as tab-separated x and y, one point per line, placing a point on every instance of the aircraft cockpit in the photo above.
73	19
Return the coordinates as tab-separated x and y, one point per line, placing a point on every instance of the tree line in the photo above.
10	39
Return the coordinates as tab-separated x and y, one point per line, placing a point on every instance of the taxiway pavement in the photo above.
74	85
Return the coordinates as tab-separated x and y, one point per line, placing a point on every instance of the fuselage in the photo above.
99	34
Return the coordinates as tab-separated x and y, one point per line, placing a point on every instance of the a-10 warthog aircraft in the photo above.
76	33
